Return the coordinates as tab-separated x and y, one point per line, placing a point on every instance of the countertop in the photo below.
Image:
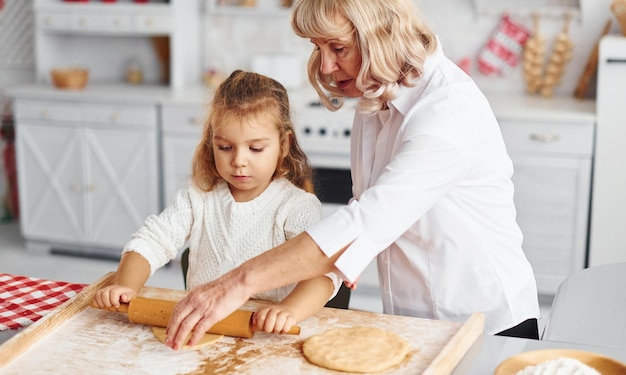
513	106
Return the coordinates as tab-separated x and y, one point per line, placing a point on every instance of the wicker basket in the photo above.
69	78
618	7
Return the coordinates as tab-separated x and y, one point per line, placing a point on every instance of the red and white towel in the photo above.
24	300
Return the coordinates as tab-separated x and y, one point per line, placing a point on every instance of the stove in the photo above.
325	137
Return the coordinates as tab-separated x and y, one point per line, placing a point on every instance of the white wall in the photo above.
231	40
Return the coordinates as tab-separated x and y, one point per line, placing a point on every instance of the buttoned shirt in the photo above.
433	201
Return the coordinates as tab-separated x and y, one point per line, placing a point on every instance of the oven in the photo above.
325	137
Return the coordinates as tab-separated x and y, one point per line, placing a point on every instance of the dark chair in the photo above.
340	301
184	263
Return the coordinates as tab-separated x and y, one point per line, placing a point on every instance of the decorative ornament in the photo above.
534	53
502	51
561	55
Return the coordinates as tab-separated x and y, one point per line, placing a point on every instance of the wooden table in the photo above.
78	339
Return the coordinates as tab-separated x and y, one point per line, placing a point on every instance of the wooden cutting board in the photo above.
76	339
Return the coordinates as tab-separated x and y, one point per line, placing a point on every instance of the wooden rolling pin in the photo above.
157	312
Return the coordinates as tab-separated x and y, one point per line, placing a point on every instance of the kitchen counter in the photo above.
517	106
524	107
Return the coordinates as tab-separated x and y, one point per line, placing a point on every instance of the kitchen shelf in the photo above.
262	9
548	9
104	18
160	36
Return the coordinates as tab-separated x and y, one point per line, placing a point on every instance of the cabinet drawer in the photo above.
107	22
152	23
183	118
564	138
48	111
51	20
141	115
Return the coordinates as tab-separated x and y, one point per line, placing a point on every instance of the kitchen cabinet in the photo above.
88	172
105	37
552	158
182	130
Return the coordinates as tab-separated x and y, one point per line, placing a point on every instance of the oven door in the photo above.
333	186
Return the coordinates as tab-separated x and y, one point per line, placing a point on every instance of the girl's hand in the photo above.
352	285
273	319
113	295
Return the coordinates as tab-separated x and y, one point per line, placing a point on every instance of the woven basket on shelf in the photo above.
618	7
69	78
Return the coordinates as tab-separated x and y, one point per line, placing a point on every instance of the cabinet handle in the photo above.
90	188
49	21
44	114
115	117
82	21
545	137
149	22
75	187
616	61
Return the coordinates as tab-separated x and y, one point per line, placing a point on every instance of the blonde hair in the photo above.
244	95
392	38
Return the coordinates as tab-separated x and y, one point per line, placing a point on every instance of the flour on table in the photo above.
207	339
356	349
559	366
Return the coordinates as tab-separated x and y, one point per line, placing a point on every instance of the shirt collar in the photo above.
408	96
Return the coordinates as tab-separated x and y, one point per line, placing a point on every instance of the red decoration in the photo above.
503	49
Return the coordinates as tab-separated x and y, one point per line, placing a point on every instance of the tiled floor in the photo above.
15	259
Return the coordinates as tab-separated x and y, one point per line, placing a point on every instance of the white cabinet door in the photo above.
88	172
552	200
121	189
51	182
177	157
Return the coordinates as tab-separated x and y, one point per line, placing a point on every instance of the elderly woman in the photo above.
432	190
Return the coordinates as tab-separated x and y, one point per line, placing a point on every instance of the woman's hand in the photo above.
204	306
274	319
113	295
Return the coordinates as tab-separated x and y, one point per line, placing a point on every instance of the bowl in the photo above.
70	78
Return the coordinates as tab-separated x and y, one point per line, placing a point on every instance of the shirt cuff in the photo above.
333	233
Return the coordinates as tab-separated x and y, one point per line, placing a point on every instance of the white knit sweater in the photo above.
222	233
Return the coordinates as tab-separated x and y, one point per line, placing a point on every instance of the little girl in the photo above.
252	190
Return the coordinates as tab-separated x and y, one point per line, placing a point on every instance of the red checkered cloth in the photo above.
24	300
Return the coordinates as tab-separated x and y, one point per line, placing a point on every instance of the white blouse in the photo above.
433	200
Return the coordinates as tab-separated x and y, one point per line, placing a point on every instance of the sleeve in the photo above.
426	165
161	236
305	211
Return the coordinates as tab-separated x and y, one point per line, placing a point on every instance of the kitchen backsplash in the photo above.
231	40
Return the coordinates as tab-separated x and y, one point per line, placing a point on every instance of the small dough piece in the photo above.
356	349
207	339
